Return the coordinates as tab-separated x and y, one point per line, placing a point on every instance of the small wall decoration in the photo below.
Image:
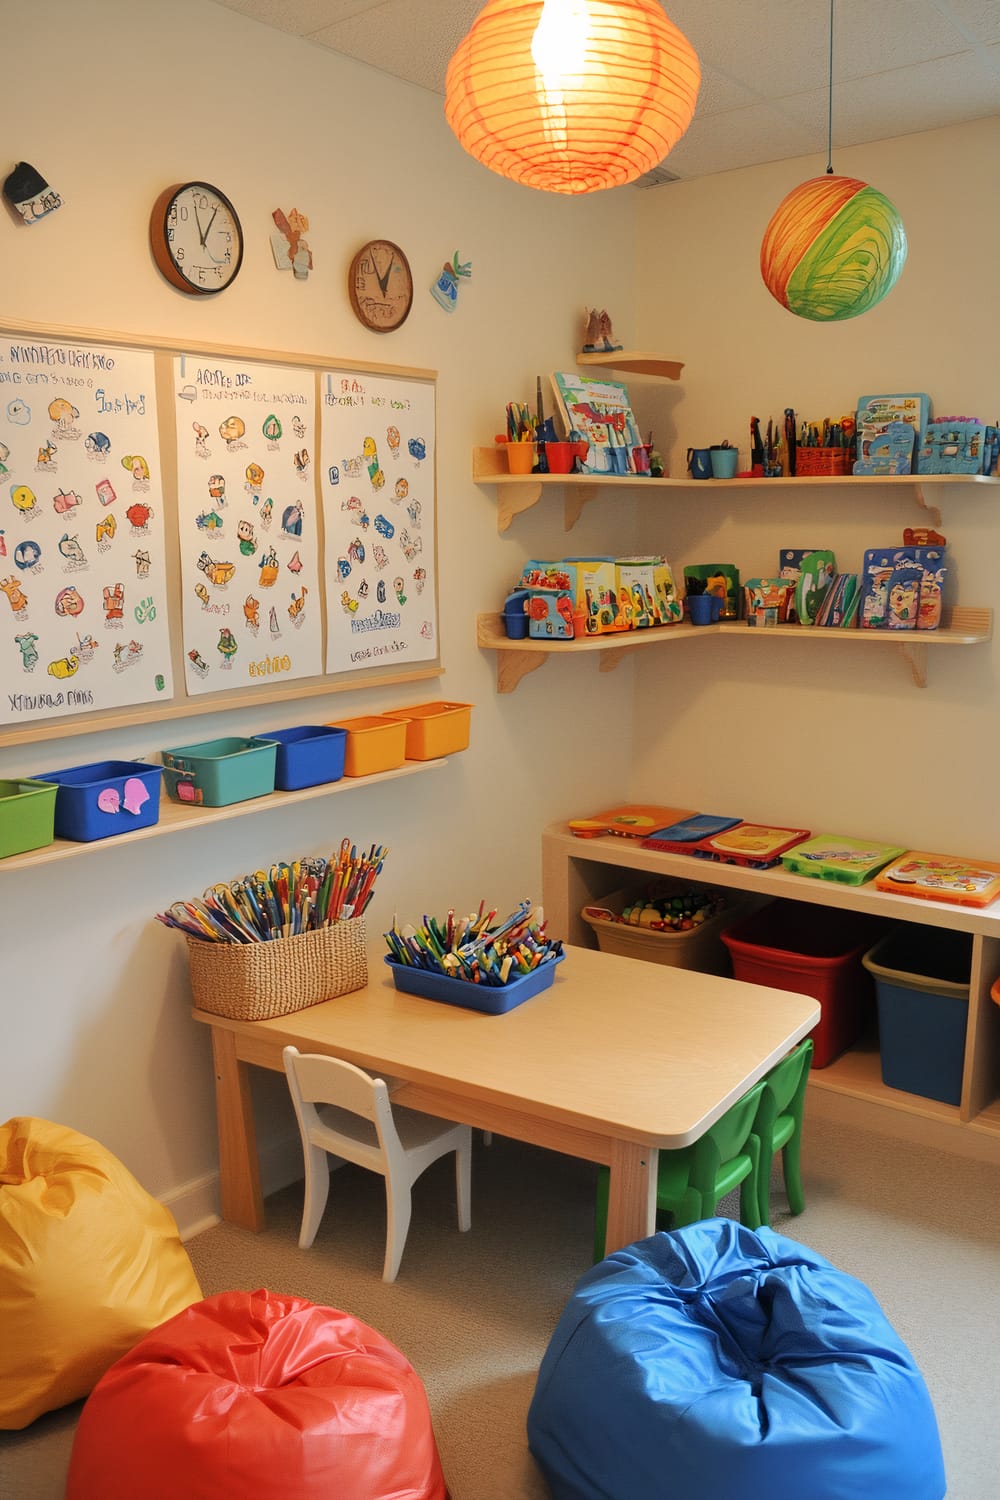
445	289
288	244
27	191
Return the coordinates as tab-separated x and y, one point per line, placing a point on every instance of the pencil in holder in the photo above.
258	981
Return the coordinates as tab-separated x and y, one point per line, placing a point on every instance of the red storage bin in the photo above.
813	950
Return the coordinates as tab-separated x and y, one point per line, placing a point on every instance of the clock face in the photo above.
196	238
380	286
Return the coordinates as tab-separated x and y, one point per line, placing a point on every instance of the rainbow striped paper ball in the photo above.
833	249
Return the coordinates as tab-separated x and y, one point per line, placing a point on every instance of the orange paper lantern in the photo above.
570	96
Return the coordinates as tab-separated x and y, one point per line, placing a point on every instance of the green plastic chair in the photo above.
779	1127
691	1180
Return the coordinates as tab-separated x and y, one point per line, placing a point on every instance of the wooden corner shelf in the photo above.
519	492
970	626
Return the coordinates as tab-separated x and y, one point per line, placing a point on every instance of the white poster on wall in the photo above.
83	617
249	534
377	477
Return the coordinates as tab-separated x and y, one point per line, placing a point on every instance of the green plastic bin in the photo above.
27	815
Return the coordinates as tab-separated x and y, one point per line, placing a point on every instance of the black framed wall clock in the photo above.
196	238
380	286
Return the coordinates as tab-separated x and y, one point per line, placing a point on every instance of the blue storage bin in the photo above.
103	799
308	755
494	999
922	978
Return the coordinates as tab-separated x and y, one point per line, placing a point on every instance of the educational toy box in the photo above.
922	981
105	798
901	588
27	814
590	584
308	755
812	950
216	773
831	856
647	594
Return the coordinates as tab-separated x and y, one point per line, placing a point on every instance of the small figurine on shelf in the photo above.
598	335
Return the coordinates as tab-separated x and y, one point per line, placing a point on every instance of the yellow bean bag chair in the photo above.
89	1264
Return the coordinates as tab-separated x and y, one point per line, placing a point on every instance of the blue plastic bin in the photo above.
103	799
493	999
922	977
308	755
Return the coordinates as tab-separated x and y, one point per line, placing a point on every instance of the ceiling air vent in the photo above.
658	177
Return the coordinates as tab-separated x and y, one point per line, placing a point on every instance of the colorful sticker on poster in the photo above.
83	620
247	518
377	473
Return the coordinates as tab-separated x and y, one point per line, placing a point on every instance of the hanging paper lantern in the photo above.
834	247
570	96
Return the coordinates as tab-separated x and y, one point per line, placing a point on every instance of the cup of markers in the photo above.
464	960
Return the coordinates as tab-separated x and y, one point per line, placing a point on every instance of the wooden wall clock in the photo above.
196	238
380	286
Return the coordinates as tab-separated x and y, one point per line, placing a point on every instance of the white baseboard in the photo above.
195	1204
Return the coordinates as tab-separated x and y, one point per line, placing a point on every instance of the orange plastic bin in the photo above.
434	729
374	743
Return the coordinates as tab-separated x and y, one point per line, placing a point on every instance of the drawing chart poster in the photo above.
378	511
250	566
83	620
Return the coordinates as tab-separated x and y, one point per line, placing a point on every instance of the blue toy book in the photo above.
681	837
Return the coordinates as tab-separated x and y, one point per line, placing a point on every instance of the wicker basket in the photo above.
810	461
258	981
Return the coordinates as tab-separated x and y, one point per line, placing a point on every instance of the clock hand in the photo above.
383	281
208	226
201	232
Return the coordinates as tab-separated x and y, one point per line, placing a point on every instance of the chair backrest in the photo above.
785	1087
316	1079
725	1139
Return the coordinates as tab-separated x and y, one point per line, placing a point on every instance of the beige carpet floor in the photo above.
474	1312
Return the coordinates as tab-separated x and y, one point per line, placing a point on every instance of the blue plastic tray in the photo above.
308	755
105	798
493	1000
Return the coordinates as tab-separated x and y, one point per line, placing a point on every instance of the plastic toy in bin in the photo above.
465	961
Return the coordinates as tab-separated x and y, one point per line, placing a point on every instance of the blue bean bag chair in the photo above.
721	1363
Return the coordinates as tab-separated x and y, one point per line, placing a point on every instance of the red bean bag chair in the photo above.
262	1395
89	1262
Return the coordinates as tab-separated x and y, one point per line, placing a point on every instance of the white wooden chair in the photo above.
343	1111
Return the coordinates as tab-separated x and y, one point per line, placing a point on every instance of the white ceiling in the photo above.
899	66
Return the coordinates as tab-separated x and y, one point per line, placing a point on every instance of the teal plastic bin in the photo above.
218	772
922	977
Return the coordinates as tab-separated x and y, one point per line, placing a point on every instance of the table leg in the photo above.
239	1166
632	1194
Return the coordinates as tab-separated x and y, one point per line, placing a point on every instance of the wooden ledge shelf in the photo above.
960	627
519	492
176	816
635	363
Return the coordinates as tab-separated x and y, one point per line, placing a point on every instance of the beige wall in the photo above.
833	737
114	100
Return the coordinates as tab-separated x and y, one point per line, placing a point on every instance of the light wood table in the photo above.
618	1060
